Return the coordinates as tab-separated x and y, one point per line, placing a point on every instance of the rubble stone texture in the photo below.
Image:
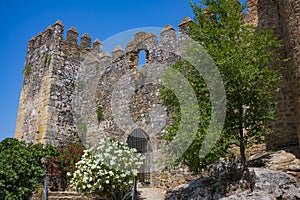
67	83
55	103
284	17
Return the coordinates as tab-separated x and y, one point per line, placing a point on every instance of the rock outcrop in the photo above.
270	185
278	161
277	176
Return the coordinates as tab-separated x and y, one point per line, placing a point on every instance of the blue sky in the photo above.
21	20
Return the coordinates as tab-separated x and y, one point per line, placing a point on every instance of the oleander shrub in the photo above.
107	170
58	166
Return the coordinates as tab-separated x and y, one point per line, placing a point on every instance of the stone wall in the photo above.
68	81
290	10
45	112
283	17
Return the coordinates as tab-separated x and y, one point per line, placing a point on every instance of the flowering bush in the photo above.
106	170
58	167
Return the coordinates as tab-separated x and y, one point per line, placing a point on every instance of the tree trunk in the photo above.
242	142
246	173
243	155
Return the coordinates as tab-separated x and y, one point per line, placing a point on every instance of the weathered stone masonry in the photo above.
284	17
45	108
54	91
59	94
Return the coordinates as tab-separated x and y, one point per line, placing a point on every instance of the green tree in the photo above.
247	59
191	157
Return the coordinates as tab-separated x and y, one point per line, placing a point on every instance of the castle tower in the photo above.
45	108
284	17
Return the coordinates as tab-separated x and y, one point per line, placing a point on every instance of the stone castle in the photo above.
68	88
60	98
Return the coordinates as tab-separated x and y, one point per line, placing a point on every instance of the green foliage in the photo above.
191	156
27	69
21	168
47	60
59	165
99	113
246	58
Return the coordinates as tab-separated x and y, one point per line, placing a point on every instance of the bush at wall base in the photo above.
21	168
106	170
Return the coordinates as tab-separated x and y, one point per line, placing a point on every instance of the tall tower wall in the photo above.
45	109
283	16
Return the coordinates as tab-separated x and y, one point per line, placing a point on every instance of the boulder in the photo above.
278	161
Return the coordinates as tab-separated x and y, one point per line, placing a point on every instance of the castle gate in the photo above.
140	141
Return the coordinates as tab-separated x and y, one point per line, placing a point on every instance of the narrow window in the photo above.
141	59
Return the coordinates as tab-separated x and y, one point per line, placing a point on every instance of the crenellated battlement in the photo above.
55	34
142	41
85	41
148	42
167	35
118	53
72	36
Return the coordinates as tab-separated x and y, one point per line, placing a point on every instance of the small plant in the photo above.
47	60
27	69
99	113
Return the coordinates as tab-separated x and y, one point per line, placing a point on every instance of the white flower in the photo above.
112	161
135	172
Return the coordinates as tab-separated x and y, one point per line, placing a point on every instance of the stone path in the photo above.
146	193
66	196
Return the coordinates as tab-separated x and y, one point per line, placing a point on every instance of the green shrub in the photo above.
21	168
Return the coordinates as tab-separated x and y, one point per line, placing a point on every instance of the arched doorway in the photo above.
140	141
